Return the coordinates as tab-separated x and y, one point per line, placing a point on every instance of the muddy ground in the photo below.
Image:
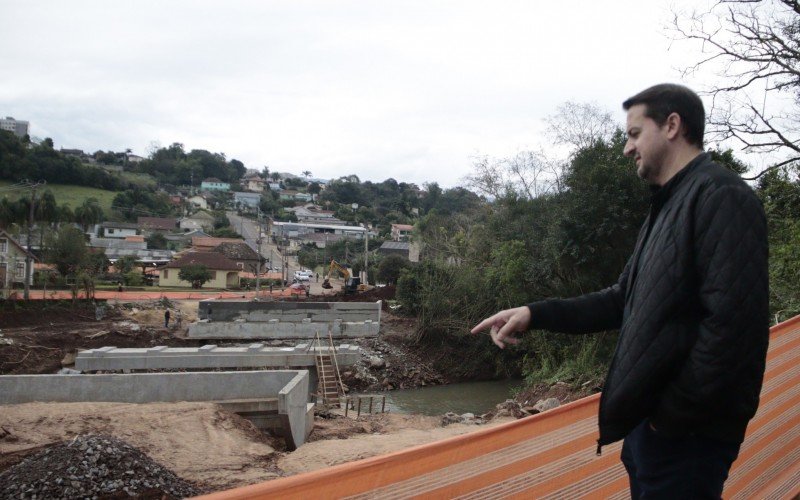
203	444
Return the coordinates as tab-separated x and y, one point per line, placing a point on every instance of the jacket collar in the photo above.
660	194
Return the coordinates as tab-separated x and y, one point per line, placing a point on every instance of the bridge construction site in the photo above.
276	388
273	363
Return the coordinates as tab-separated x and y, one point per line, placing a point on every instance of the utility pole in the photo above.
28	260
258	242
366	253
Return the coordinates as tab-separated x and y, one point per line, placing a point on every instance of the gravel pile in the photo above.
91	466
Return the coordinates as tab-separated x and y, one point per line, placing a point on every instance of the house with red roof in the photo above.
157	224
208	243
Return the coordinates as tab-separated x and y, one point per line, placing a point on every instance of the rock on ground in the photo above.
91	466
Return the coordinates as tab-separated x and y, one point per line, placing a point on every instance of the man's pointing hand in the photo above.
504	325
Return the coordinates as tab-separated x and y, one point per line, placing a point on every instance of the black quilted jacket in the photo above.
692	309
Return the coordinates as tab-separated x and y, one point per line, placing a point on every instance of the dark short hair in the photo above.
664	99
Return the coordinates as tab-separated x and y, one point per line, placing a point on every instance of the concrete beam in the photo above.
292	312
289	387
275	329
209	357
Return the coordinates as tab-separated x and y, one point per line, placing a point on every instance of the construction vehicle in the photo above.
351	284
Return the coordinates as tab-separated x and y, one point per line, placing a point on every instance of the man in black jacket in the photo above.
691	306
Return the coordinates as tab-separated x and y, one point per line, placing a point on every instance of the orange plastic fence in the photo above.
552	455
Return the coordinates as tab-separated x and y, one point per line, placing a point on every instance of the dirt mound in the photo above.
47	336
45	313
92	466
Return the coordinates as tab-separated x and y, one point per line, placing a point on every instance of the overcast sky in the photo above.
411	90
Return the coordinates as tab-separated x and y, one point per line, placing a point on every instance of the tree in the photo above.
65	214
580	124
307	174
196	274
89	213
125	264
46	213
96	263
67	250
530	174
781	197
156	241
391	267
754	49
11	212
314	189
602	208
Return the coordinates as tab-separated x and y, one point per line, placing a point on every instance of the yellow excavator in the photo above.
351	284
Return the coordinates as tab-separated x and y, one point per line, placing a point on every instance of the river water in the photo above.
467	397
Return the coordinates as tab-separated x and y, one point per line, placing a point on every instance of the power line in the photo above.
19	186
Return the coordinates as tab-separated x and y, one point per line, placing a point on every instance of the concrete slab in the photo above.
290	388
209	357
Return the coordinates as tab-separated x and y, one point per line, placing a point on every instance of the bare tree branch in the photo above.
754	46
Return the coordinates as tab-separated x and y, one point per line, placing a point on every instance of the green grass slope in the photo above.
66	194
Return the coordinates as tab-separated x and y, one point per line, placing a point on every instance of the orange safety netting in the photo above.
552	454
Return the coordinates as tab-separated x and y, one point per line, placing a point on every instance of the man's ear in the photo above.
673	125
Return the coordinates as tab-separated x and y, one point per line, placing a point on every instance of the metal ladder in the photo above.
330	387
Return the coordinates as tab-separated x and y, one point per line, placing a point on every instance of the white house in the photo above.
401	232
303	231
12	263
247	199
119	229
214	184
253	182
201	220
199	201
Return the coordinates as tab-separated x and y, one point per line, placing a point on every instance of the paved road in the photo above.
248	228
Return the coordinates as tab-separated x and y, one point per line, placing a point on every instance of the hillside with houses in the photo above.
194	219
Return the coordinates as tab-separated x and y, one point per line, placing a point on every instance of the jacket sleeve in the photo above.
727	357
592	312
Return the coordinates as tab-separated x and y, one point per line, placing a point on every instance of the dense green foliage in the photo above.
133	203
173	166
391	267
19	161
389	202
780	193
519	249
67	250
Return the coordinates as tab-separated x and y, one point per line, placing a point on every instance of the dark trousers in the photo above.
686	467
